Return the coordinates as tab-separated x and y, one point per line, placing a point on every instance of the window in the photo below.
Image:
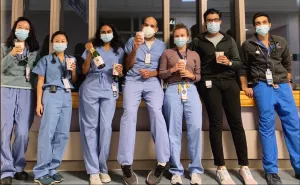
39	13
224	7
77	32
127	15
5	19
183	12
284	17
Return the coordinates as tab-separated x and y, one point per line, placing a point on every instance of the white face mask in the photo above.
148	32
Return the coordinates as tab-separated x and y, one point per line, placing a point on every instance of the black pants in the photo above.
224	94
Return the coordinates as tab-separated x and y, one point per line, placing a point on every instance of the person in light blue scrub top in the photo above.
98	94
180	68
18	57
141	82
54	105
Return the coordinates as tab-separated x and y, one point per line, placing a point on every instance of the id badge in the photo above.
208	84
66	84
269	77
27	73
147	58
114	89
184	95
98	61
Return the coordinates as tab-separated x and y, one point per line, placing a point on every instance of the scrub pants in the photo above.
174	110
96	112
17	109
54	132
150	90
268	100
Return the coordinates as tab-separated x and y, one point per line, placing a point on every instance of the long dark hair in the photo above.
115	43
30	41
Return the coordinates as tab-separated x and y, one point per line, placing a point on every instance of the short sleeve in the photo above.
129	46
41	66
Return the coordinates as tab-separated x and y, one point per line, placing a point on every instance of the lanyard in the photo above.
180	56
23	57
63	67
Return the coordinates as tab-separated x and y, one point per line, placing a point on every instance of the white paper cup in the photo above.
70	61
115	72
140	33
219	53
21	45
184	61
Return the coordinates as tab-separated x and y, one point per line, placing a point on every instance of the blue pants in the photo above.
282	100
54	132
96	112
174	110
152	93
17	109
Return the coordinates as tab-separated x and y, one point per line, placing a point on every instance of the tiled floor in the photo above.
80	178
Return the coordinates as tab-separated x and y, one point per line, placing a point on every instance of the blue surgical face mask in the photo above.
59	47
262	29
107	37
180	41
213	27
21	34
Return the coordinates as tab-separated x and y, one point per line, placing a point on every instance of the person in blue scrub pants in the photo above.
98	94
180	68
18	57
267	60
141	81
54	106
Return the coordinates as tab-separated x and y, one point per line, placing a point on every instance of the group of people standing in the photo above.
209	65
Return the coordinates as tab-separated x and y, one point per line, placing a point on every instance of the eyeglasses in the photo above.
213	20
146	25
106	32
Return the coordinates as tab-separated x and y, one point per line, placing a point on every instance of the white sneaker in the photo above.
224	177
176	179
247	176
196	179
95	179
105	178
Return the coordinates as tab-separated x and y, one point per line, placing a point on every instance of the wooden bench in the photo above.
245	101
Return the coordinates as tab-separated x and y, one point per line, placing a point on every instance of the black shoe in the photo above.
297	176
6	181
23	176
57	178
129	177
154	177
273	179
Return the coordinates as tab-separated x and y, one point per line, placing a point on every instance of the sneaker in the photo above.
105	178
223	177
247	176
129	177
154	177
57	178
45	180
196	179
297	176
23	176
273	179
95	179
176	180
6	181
